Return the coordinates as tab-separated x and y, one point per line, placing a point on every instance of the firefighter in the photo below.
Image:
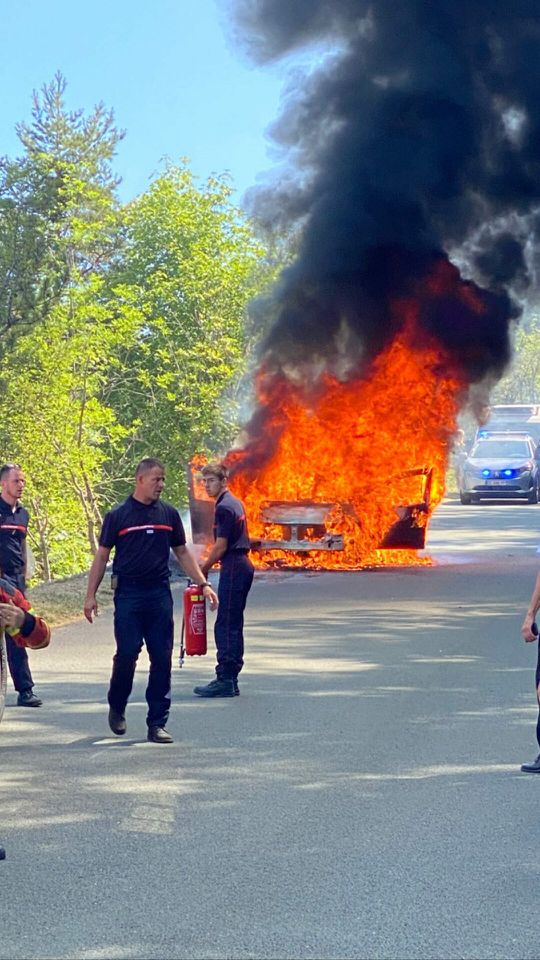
231	548
13	529
142	531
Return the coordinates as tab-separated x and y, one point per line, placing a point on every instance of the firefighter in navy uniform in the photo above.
13	530
143	530
231	548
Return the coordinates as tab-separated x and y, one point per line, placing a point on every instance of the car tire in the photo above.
465	498
533	496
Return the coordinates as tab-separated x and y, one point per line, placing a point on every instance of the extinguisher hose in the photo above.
182	648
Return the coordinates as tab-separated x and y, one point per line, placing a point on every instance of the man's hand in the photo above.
211	596
11	616
526	631
90	608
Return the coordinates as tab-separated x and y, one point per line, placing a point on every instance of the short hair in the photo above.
147	464
215	469
7	468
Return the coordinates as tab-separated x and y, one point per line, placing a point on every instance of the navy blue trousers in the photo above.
143	615
538	694
235	579
17	657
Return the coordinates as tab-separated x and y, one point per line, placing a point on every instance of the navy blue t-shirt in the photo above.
230	522
13	528
142	535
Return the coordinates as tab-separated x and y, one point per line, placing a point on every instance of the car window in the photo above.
498	449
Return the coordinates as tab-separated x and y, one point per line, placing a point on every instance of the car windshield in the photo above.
499	449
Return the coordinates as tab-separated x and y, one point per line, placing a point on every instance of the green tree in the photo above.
60	429
58	207
192	262
522	382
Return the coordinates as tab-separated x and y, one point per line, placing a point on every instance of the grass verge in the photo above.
61	601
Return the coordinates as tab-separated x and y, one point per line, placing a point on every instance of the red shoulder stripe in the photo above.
145	526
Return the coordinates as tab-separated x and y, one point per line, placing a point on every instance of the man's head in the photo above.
215	477
11	482
149	480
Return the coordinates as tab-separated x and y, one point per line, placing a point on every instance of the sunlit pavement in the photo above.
459	534
361	798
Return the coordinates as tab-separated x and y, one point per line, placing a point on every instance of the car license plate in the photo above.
497	483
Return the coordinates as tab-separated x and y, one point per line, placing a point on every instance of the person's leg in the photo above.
128	632
159	633
538	720
235	582
19	666
534	767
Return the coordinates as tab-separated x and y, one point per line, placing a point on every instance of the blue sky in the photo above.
167	69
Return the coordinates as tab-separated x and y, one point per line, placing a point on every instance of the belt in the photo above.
124	581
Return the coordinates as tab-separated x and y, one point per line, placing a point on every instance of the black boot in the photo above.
117	722
217	688
159	735
28	699
533	767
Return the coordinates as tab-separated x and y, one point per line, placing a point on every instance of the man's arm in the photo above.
24	554
532	610
95	577
194	572
219	547
25	628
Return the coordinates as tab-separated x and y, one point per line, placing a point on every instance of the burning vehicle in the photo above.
336	489
309	526
411	187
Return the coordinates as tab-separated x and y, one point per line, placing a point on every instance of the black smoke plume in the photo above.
417	135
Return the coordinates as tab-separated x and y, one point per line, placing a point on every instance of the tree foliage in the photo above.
522	382
123	327
58	208
190	262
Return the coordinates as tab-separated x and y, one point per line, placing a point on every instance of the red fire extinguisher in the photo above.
193	638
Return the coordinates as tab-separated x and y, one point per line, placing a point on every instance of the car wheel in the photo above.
465	498
533	496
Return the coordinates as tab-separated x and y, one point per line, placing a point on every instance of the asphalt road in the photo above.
361	799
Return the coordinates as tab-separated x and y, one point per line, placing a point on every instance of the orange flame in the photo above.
355	446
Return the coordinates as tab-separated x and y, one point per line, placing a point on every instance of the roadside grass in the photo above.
61	601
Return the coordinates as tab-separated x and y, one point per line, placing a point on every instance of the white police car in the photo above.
501	466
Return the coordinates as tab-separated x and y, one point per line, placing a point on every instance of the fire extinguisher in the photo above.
193	637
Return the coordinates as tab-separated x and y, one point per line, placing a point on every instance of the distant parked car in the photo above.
501	466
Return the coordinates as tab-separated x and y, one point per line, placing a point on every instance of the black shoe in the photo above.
236	689
117	722
533	767
159	735
28	699
217	688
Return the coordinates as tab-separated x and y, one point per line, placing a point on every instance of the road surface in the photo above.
361	798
